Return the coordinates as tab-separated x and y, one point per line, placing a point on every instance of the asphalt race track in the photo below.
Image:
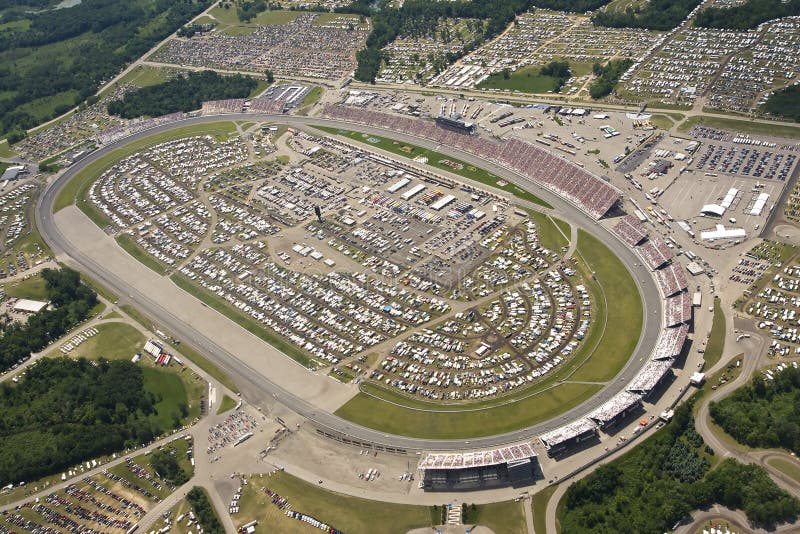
259	390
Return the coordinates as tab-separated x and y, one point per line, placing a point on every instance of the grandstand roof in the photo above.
650	375
468	460
568	432
614	406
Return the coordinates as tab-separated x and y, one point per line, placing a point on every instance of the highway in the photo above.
257	388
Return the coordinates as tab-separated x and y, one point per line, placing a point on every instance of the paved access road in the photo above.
256	384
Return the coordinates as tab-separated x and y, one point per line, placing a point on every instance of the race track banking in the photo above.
257	387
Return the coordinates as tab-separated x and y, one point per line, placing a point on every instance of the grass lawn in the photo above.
142	76
201	361
787	467
115	341
624	307
526	79
345	513
5	150
456	423
44	108
716	340
436	159
744	126
32	288
540	501
170	389
310	99
662	121
243	320
261	85
550	235
231	25
138	253
226	404
506	517
77	187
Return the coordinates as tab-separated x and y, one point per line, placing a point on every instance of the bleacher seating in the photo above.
671	280
671	342
678	309
631	230
654	253
586	191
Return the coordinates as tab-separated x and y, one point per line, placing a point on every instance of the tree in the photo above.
506	73
270	76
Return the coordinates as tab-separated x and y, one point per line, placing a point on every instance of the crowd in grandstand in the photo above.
588	192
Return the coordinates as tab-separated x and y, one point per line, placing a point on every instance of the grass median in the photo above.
437	160
716	339
139	254
620	302
456	423
550	232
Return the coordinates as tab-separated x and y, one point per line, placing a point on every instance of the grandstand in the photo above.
588	192
510	465
678	309
655	253
650	376
671	342
266	105
616	409
671	280
631	230
221	107
559	440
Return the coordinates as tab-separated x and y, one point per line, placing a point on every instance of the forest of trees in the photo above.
763	414
785	103
166	464
653	15
71	51
558	70
67	411
607	77
204	511
663	479
184	93
746	16
71	301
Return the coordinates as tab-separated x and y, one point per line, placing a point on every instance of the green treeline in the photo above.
746	16
420	17
248	9
608	76
71	302
165	463
763	414
68	411
785	103
204	511
185	93
653	15
68	53
558	70
663	479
